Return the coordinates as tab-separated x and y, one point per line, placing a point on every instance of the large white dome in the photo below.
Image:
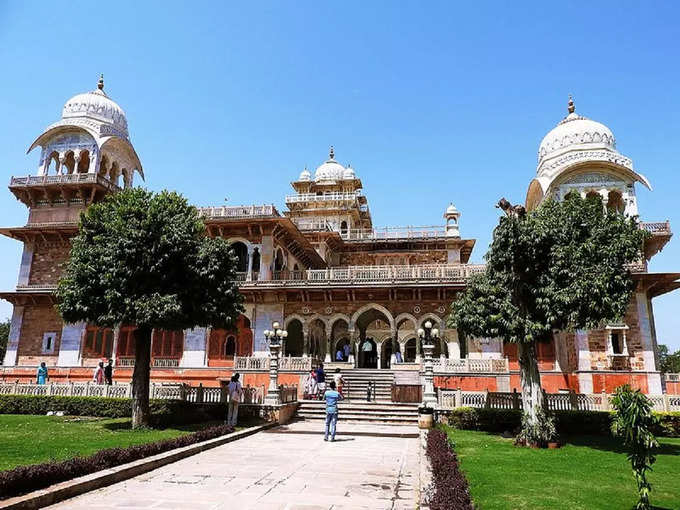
96	105
330	170
575	132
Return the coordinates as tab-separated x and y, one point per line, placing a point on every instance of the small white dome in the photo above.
330	170
451	209
575	132
349	173
305	175
96	105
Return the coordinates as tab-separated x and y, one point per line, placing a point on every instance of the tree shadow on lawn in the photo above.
614	445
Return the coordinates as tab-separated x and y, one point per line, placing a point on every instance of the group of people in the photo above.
101	375
315	383
343	352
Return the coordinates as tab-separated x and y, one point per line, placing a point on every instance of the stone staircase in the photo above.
361	412
356	408
357	382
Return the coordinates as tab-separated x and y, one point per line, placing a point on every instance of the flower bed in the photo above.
38	476
450	487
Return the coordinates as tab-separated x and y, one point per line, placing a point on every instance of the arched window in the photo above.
98	342
84	162
52	163
230	347
615	201
69	163
167	344
343	227
256	260
241	252
279	260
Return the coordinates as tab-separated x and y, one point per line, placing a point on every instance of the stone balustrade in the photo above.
658	227
286	364
241	211
452	399
325	197
471	365
43	180
161	391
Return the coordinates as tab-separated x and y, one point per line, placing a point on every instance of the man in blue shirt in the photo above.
331	397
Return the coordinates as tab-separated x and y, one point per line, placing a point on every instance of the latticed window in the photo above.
167	344
126	342
98	342
222	344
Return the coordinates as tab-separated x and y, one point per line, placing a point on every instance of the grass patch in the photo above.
587	473
30	439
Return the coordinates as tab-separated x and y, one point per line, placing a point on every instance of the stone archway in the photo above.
373	325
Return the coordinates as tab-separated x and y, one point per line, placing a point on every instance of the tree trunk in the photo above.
140	378
530	379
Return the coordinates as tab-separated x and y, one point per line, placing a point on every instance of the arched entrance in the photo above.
294	343
368	353
386	354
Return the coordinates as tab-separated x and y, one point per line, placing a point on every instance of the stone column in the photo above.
71	342
429	395
648	340
249	273
266	257
195	347
26	261
453	343
330	355
378	354
273	397
305	344
419	357
14	334
585	376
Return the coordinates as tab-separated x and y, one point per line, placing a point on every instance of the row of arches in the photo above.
82	162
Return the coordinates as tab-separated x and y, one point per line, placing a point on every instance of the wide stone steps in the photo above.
373	412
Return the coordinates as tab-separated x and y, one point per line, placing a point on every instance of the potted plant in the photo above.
425	417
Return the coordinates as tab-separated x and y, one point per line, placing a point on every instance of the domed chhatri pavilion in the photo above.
347	293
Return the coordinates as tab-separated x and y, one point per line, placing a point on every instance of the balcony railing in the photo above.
241	211
286	363
326	197
440	272
659	227
42	180
471	365
384	233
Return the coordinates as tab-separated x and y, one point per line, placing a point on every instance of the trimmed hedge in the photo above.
567	422
163	412
450	487
25	479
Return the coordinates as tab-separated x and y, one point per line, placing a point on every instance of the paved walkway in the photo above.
287	467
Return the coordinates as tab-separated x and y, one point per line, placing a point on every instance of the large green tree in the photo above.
559	267
145	259
669	362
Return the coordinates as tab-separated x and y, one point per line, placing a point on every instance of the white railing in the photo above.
394	233
672	377
326	197
471	365
286	363
42	180
73	389
439	272
241	211
165	362
451	399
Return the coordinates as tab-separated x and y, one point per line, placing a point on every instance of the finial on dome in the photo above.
100	83
570	104
331	153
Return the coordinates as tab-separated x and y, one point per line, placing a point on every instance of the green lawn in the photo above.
29	439
588	472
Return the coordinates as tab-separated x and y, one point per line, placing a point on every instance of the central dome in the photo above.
330	170
96	105
575	132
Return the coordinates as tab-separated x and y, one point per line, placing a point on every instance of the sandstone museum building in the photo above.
321	269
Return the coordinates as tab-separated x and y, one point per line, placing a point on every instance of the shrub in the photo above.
29	478
633	420
451	491
567	422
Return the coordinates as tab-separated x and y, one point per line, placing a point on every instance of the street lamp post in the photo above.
428	335
274	338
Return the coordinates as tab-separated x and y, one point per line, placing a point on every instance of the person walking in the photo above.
98	375
235	390
338	380
42	376
331	396
108	373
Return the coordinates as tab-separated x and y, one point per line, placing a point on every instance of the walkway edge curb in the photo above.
77	486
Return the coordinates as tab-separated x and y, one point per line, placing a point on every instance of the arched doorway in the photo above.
241	253
386	353
410	351
294	343
368	353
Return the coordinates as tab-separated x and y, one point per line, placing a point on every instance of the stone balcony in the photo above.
83	188
239	212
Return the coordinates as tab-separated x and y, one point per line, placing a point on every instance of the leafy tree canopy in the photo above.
669	362
144	258
562	266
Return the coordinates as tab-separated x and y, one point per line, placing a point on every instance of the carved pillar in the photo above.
60	163
76	159
273	397
249	275
429	395
305	344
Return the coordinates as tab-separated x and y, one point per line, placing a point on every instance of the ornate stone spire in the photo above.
570	105
100	83
331	153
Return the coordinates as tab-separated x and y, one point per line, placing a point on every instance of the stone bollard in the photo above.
459	398
605	401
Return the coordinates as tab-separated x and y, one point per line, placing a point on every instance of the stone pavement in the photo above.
289	467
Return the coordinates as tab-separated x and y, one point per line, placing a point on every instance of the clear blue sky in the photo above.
430	102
